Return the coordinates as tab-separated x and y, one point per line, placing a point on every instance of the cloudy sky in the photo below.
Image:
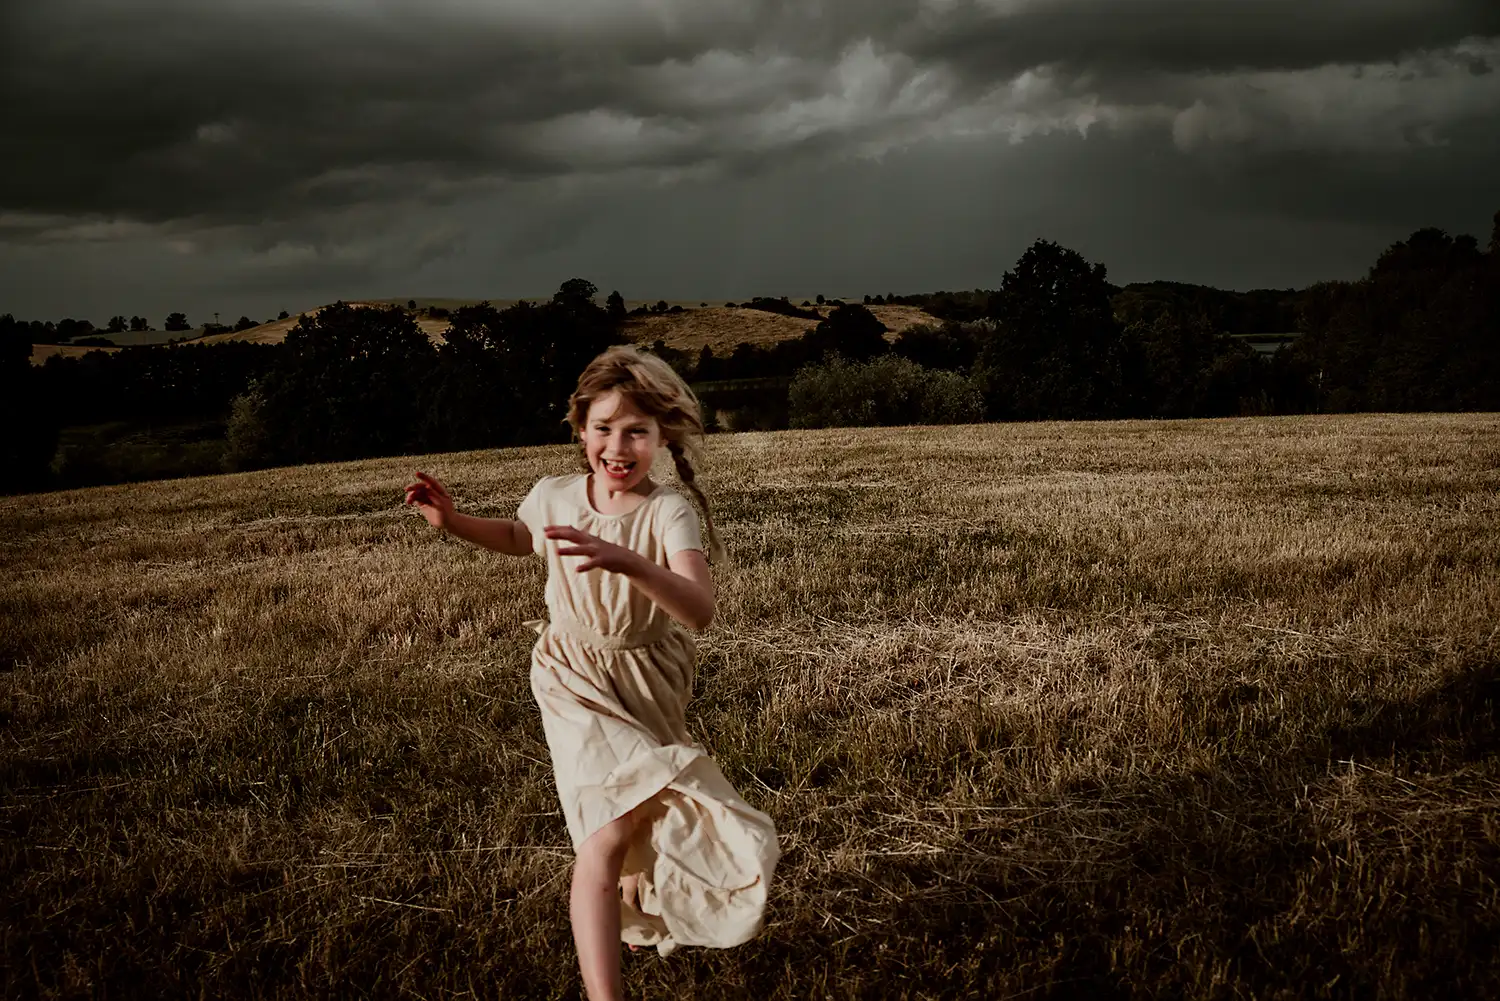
248	156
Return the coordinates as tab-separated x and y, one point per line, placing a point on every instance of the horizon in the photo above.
138	338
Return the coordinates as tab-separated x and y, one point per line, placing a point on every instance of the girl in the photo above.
668	854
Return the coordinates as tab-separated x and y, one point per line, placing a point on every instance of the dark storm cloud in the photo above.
1122	41
342	145
234	111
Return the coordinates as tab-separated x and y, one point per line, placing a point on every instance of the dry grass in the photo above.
275	331
689	330
1203	708
41	352
721	328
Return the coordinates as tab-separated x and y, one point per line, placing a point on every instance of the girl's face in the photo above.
620	442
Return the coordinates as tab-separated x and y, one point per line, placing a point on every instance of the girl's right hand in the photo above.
431	498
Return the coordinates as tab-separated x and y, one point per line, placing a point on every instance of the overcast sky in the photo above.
248	156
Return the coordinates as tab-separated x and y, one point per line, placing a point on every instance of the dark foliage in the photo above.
1056	351
883	391
780	306
31	424
154	382
951	346
341	388
851	331
615	306
1420	332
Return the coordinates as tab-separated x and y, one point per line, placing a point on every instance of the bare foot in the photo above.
630	893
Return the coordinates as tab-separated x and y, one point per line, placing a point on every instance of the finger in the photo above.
584	566
574	552
431	482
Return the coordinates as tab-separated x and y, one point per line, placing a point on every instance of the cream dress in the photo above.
612	673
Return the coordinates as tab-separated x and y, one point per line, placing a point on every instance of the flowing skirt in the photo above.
613	711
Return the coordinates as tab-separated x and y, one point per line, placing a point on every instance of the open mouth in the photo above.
619	470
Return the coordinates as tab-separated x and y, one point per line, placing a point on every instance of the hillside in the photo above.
719	327
41	352
275	332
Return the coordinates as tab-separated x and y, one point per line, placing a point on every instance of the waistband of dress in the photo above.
616	641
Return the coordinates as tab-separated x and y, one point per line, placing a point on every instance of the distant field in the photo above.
41	352
690	330
722	328
1120	710
275	332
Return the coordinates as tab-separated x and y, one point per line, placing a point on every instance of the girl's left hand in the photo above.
602	555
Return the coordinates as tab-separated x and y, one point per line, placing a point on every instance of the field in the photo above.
717	326
721	327
1110	710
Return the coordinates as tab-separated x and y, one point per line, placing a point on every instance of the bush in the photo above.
887	390
248	443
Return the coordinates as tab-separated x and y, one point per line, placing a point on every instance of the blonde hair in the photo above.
657	391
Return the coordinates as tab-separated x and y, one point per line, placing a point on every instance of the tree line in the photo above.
1056	340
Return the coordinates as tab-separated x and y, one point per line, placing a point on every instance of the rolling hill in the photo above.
719	327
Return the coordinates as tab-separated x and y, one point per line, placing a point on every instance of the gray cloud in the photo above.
1118	41
280	144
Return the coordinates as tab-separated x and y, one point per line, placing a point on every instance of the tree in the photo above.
117	325
575	293
245	323
852	331
1055	351
951	346
1419	332
281	315
176	321
28	411
139	323
480	363
69	328
344	387
411	304
615	306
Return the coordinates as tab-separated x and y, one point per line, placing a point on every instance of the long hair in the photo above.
655	389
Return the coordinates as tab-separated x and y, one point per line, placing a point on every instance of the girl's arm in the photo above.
500	534
685	592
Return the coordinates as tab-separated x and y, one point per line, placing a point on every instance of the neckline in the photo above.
588	499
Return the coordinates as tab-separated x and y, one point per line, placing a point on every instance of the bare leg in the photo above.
595	906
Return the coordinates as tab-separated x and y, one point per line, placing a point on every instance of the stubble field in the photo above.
1144	709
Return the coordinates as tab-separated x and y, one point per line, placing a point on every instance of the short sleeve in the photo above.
530	514
680	527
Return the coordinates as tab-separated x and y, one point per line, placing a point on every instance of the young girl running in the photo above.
668	854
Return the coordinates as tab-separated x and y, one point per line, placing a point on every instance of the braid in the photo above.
689	478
